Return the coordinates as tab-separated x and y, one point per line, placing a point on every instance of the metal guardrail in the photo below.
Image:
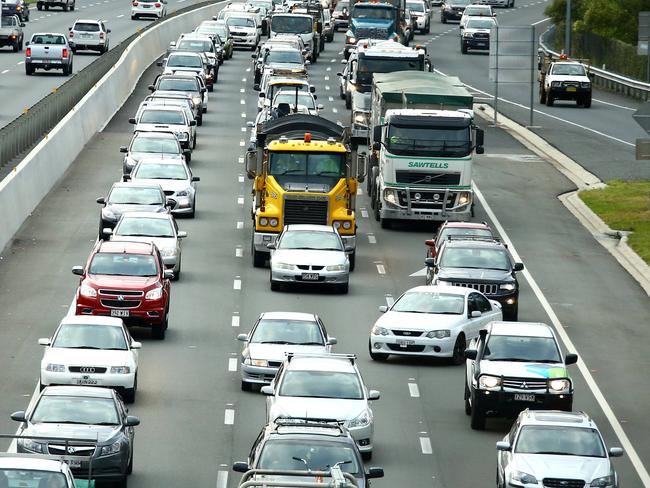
31	126
605	79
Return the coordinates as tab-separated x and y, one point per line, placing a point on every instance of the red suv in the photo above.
126	280
456	229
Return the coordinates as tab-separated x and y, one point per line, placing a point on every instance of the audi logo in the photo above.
87	369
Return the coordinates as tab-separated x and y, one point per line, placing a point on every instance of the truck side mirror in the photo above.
251	164
362	161
376	135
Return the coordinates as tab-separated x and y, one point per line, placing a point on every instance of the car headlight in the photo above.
114	448
108	213
183	193
197	101
55	368
33	446
155	294
464	198
120	369
468	34
488	382
350	40
360	421
87	291
182	136
286	266
585	84
391	196
335	267
559	385
603	481
507	286
555	83
376	330
522	477
168	251
444	283
439	334
263	363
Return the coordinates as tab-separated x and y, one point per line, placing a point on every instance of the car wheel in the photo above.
39	6
348	100
122	483
16	46
366	455
458	354
41	386
129	393
468	405
512	315
158	332
353	260
549	100
542	96
134	17
129	468
199	120
47	7
65	7
463	48
245	386
385	223
376	356
443	19
477	417
343	289
275	286
587	101
72	7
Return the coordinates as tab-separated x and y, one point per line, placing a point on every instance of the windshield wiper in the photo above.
559	453
82	347
61	422
514	360
275	342
308	343
329	249
105	423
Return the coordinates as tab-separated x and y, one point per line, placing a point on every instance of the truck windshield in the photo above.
368	66
307	164
292	24
372	12
429	141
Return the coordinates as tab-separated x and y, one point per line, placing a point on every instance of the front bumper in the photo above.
452	14
257	374
182	205
296	276
152	316
250	40
338	23
108	380
436	215
363	436
412	346
504	403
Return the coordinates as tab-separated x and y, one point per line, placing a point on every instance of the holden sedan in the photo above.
432	321
93	351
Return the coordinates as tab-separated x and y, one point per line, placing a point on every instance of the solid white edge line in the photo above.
229	416
584	370
222	479
232	364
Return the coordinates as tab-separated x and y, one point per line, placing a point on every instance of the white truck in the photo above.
563	79
301	25
422	139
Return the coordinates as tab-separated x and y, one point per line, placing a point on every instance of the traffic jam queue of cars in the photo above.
466	310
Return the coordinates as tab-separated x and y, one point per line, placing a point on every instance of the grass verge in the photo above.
624	205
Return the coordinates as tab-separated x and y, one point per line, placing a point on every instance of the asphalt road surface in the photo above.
195	419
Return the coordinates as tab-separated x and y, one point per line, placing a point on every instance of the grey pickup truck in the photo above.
47	4
48	51
11	32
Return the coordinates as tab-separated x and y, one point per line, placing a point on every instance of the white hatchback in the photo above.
148	8
92	351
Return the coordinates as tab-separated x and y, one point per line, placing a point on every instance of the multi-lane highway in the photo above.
195	419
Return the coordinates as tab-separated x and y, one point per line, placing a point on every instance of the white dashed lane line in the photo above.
222	479
240	200
236	283
414	391
381	269
235	321
425	445
239	252
389	299
232	364
240	224
229	416
372	239
364	212
5	71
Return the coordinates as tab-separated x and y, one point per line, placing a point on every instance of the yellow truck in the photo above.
303	173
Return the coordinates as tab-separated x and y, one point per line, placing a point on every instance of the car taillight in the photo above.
135	4
65	53
158	5
71	34
18	8
28	52
101	35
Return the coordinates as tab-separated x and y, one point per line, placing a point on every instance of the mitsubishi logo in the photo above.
120	298
71	450
524	385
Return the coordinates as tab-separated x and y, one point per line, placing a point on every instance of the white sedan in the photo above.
432	321
93	351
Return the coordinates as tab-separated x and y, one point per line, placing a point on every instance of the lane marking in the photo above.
243	115
5	71
229	416
381	269
584	369
414	391
330	98
389	299
364	212
243	80
240	200
242	90
327	78
222	479
240	178
240	224
234	321
242	102
239	252
240	160
327	87
372	239
120	16
335	110
21	62
242	143
232	364
236	283
244	129
359	191
425	445
329	68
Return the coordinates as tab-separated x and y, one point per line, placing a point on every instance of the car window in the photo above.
48	39
240	22
318	240
8	21
415	6
154	171
282	56
559	440
482	303
522	348
15	478
74	409
123	264
86	27
176	84
90	336
475	258
430	302
134	195
281	331
287	454
568	69
321	384
304	99
172	117
184	61
155	145
144	227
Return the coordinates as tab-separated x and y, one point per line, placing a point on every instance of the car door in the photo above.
473	324
488	311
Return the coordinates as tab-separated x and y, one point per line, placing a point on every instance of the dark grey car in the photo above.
81	412
130	197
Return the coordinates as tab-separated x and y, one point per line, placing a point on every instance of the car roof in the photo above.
148	215
447	289
126	247
91	320
87	21
526	329
557	417
167	108
184	53
159	160
135	184
155	135
288	316
474	243
193	36
84	391
467	225
312	227
324	362
31	462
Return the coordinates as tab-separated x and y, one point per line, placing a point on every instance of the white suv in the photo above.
165	118
88	34
555	449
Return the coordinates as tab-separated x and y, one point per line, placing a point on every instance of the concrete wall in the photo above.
24	188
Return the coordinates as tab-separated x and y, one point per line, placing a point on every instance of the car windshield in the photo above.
31	478
568	69
65	409
321	384
282	56
8	21
304	99
430	302
207	29
475	258
288	454
48	39
462	231
125	195
286	331
222	31
166	117
86	27
240	22
155	171
368	11
144	227
476	10
522	349
481	23
292	24
175	84
195	45
560	440
434	141
123	264
184	61
342	5
307	239
415	6
155	145
307	164
90	336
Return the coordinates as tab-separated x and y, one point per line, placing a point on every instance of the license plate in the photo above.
524	397
405	343
571	88
120	313
86	381
73	463
310	276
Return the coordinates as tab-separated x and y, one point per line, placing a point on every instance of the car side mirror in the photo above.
152	88
312	89
44	341
108	31
168	274
570	359
266	390
474	314
320	106
503	446
256	87
374	395
240	467
27	43
192	123
383	308
518	267
132	120
261	95
332	341
107	231
271	245
124	149
348	248
430	243
307	62
242	337
470	353
18	416
22	24
78	270
375	473
136	345
101	200
181	234
159	63
615	451
187	152
429	262
132	421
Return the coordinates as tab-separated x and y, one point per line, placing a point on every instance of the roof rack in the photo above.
351	357
323	423
460	237
335	477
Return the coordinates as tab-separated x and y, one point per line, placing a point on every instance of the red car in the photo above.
126	280
447	229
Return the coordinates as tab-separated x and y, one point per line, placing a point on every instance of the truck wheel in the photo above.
372	163
72	7
477	419
549	100
587	101
443	19
259	258
65	7
542	96
348	100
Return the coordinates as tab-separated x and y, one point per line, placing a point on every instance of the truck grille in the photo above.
407	333
371	33
299	211
485	288
126	293
108	303
60	450
524	384
562	483
87	369
427	199
420	178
